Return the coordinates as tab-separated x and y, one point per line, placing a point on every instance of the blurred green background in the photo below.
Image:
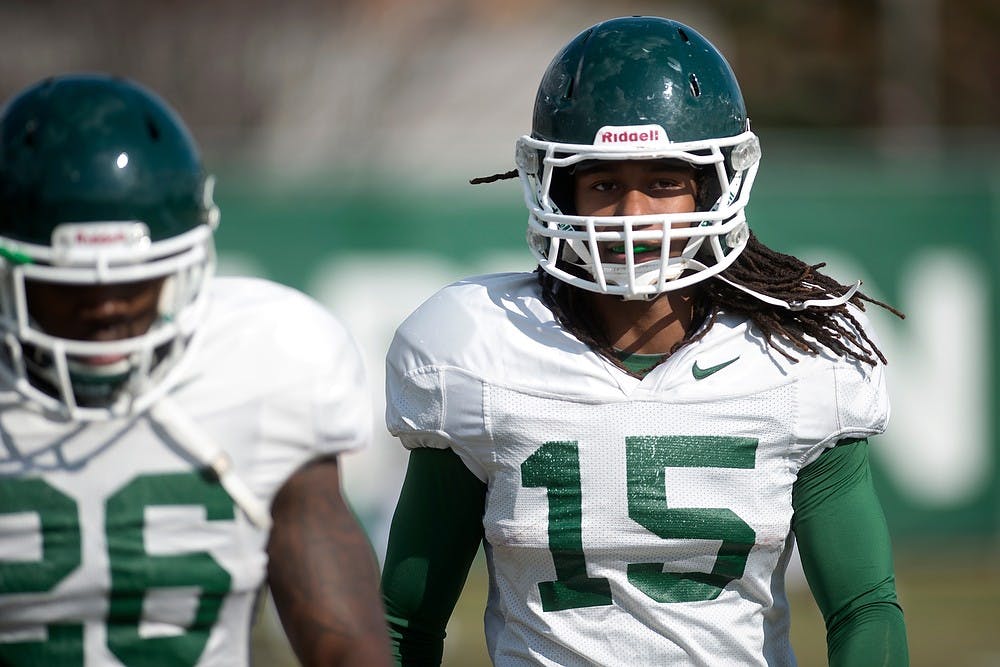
922	235
343	134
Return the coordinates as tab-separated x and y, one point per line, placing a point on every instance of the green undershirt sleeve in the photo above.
847	558
435	533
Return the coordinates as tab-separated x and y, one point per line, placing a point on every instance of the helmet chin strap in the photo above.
648	273
187	433
831	302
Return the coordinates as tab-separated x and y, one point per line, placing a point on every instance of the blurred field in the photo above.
952	608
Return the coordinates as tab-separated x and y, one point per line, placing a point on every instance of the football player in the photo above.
169	439
639	431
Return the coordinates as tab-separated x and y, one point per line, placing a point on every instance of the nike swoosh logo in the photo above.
702	373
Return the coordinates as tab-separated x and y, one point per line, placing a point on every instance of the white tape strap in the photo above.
831	302
193	439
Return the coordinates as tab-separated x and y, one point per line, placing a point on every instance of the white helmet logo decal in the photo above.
631	136
101	234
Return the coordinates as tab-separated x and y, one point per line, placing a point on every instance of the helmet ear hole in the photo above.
709	189
562	190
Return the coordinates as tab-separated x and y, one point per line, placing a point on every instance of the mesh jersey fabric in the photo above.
838	522
119	544
627	521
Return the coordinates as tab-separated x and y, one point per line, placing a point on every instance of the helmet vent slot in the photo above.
585	38
695	86
30	133
684	36
154	131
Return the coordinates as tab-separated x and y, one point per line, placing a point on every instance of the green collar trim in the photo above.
639	363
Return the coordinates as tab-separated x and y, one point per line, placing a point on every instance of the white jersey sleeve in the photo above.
298	370
837	398
419	377
628	520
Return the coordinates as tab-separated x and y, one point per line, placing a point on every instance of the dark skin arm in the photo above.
323	574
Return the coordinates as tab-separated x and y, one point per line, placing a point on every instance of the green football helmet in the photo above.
101	185
638	88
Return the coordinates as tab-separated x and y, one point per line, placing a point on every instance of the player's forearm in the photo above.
335	619
847	557
874	634
323	574
425	570
413	643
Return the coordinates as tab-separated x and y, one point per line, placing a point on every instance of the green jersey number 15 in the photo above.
556	467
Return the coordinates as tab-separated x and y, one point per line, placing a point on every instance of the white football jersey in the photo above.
628	521
116	547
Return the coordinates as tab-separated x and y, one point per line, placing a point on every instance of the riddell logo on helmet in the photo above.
100	238
102	234
630	135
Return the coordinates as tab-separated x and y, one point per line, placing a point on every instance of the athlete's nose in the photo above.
633	202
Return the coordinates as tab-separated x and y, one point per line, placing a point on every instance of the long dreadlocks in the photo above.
790	279
763	270
758	268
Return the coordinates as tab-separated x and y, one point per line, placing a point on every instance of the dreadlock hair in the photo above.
763	270
788	278
758	268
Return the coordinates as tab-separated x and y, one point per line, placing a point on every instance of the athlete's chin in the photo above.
102	365
100	360
622	258
652	255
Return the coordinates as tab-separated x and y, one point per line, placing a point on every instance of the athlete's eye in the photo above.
667	184
604	186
